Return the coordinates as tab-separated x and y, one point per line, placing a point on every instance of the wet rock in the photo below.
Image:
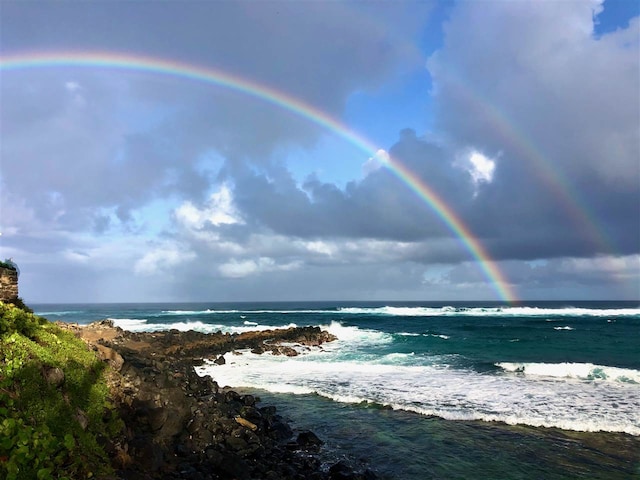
220	360
236	443
229	464
280	430
309	441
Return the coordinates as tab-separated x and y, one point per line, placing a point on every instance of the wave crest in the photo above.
582	371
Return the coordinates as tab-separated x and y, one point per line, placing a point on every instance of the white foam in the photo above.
408	382
492	311
131	324
563	328
583	371
143	325
444	337
195	312
357	336
57	314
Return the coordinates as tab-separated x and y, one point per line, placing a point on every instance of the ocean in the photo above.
417	391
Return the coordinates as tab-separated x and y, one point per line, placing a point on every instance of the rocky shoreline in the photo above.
179	425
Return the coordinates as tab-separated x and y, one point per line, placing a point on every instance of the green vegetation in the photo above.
55	416
8	264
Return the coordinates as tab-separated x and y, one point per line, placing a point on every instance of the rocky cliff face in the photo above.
8	284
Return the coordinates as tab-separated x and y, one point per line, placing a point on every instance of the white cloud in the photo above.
162	258
620	268
75	90
72	86
220	210
376	162
321	247
481	167
245	268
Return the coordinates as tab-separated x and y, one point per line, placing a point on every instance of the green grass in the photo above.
41	424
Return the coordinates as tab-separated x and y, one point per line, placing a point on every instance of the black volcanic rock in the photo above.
183	426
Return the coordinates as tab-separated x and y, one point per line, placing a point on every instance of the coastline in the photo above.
194	422
153	358
181	425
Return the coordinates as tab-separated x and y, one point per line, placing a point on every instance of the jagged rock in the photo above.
280	431
110	355
309	441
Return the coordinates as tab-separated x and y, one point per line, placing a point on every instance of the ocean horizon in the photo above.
420	390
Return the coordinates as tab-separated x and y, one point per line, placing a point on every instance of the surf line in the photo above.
173	68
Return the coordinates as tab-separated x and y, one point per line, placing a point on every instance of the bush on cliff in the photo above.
55	416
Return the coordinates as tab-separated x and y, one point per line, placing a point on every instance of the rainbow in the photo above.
137	63
574	204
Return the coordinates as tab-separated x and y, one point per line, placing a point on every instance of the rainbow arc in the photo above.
137	63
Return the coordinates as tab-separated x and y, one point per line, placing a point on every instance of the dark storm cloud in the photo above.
530	84
378	206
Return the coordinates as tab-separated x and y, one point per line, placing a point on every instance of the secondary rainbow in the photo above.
572	201
127	62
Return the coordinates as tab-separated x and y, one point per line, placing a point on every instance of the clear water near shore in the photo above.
404	445
477	390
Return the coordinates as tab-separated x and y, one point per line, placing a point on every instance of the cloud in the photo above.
220	210
161	259
169	188
130	138
244	268
541	70
530	82
481	168
376	162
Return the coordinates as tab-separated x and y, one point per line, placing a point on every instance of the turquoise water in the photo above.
433	390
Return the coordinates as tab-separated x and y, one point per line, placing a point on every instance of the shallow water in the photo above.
409	446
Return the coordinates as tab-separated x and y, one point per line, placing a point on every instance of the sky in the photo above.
311	150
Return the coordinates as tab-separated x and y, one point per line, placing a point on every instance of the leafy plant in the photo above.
13	319
51	429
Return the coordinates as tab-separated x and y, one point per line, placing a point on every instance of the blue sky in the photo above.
148	188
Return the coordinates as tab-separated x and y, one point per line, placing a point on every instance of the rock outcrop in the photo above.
182	426
8	284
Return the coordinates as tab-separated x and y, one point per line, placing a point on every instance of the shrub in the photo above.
13	319
51	429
